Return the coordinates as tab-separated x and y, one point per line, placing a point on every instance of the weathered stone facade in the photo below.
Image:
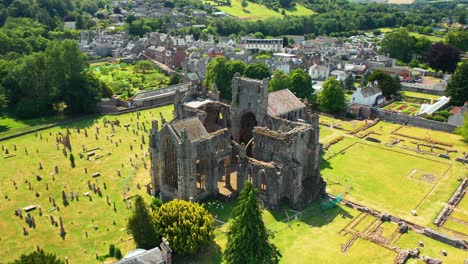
209	142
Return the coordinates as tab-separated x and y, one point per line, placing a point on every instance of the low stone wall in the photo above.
414	121
446	239
422	89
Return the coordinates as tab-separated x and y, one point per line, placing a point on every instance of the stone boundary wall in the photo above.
452	202
414	121
421	89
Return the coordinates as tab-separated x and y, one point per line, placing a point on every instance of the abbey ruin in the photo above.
211	148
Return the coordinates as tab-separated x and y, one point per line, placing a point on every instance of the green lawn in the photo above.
420	95
94	217
255	11
379	177
432	248
438	136
10	125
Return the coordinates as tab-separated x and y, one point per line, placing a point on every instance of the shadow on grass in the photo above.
3	128
209	255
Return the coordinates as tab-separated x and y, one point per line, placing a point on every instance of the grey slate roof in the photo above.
282	102
195	129
370	90
152	256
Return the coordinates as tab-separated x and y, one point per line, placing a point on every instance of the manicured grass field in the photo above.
420	95
432	248
437	136
255	11
95	217
10	125
380	177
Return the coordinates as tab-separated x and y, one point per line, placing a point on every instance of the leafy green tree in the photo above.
141	225
388	84
234	66
463	130
175	79
457	88
118	253
414	63
443	57
244	3
458	38
348	83
422	46
257	70
285	3
301	83
38	256
79	24
331	98
216	73
187	226
144	66
398	44
279	81
248	238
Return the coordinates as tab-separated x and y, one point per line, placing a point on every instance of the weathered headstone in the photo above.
40	166
56	169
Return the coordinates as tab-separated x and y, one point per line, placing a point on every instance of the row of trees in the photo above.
298	81
340	16
439	56
189	227
34	84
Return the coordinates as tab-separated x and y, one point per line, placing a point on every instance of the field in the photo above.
393	179
10	126
95	217
401	2
122	77
373	173
415	34
430	97
255	11
322	235
403	107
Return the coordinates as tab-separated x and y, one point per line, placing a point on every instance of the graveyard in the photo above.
94	210
78	211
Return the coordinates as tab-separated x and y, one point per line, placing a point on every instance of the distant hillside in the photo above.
255	11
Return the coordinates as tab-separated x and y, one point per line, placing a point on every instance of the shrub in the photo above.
187	226
439	118
443	113
118	253
111	250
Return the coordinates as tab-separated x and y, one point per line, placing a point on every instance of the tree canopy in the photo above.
443	57
248	238
141	225
463	130
331	98
458	38
221	71
187	226
457	88
301	83
388	84
38	256
279	81
257	70
398	44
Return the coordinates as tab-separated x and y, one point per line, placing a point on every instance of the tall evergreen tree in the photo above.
248	239
141	225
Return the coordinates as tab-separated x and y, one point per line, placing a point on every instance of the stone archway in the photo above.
247	123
